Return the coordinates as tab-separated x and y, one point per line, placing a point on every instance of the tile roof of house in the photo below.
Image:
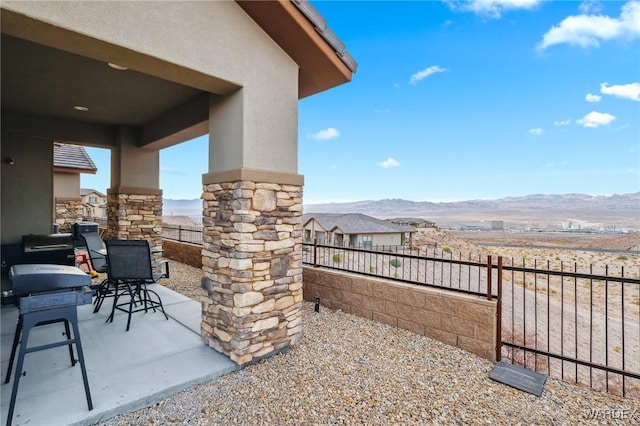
73	157
355	223
326	33
87	191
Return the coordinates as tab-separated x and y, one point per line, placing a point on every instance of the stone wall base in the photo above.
68	212
135	217
252	261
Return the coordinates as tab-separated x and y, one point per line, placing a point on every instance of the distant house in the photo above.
353	230
413	221
69	161
94	203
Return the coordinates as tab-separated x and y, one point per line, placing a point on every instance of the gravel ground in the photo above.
349	370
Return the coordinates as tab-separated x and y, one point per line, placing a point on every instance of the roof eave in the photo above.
321	67
74	170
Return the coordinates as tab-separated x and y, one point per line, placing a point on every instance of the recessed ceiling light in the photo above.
80	108
116	66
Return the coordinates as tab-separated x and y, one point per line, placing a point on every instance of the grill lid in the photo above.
33	278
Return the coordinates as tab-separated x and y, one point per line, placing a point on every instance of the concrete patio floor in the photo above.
127	371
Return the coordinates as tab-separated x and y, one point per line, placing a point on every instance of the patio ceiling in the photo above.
47	71
41	80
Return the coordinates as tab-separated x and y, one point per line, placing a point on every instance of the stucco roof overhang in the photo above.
47	69
302	32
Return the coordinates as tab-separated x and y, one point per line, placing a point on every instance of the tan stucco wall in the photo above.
132	167
66	185
216	39
27	185
384	239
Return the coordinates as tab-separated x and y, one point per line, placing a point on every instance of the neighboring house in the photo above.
94	204
413	221
69	161
354	230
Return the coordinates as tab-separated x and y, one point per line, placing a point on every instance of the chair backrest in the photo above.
94	245
129	260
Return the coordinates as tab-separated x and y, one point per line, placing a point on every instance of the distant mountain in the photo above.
182	207
618	209
529	202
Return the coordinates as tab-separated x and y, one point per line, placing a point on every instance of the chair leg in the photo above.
102	292
116	296
132	294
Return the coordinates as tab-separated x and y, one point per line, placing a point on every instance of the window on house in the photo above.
367	240
93	199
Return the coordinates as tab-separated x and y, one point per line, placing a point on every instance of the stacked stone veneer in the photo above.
466	321
68	212
252	261
135	217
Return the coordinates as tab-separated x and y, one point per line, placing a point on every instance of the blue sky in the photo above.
463	100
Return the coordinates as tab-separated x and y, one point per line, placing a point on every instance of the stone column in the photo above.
68	212
252	262
135	214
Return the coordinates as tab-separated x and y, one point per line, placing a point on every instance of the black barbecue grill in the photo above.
55	249
47	294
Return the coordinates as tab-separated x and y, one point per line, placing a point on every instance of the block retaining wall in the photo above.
466	321
187	253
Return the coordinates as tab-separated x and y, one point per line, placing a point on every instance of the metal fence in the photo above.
578	326
431	268
188	234
575	325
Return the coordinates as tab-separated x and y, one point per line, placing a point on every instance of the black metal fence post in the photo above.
315	252
499	313
489	276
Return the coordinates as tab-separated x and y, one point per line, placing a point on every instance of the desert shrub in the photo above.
395	262
337	257
372	269
622	257
446	249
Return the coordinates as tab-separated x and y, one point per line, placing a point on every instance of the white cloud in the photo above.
553	164
589	30
420	75
389	162
590	6
561	123
536	132
629	91
596	119
326	134
592	98
491	8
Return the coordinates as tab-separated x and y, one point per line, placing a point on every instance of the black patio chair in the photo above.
96	250
131	270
